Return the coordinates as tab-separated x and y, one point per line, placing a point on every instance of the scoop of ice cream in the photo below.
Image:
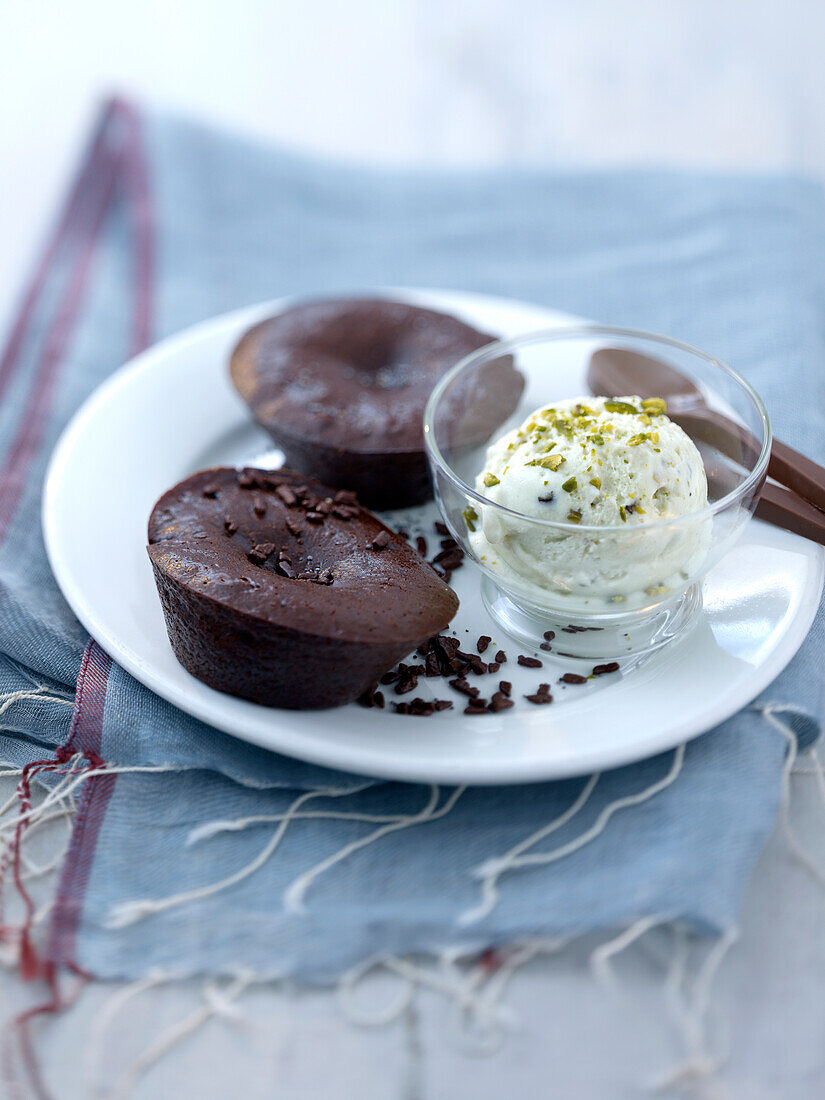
594	463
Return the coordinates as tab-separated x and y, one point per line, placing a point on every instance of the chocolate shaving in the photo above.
528	662
460	684
483	642
286	495
500	702
540	698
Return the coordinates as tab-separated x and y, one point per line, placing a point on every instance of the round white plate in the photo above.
172	411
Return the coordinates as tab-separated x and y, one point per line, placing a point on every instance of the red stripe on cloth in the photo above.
85	735
86	730
78	196
144	231
15	470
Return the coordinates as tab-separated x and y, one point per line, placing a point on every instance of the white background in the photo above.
728	83
734	83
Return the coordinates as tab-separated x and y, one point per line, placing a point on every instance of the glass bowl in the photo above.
585	590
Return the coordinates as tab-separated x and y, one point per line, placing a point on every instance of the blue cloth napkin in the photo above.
169	223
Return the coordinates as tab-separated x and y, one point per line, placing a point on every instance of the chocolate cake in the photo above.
282	591
341	387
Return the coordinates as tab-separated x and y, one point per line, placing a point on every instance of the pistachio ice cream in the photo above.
584	464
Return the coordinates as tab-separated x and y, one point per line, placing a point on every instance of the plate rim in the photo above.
342	755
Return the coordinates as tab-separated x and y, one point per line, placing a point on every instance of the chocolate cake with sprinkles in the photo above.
341	387
280	590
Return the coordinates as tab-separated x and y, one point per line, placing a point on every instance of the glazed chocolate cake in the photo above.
341	387
282	591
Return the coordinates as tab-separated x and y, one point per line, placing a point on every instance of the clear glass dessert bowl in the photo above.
617	566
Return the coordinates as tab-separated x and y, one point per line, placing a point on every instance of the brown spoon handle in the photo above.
798	472
783	508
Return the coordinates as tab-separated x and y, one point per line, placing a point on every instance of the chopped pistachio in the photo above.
574	516
490	480
657	590
623	513
597	481
571	485
618	599
654	406
635	440
549	462
661	493
470	518
597	439
620	407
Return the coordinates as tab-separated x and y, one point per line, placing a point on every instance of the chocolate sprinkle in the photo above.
603	670
501	657
529	662
460	684
483	642
572	678
287	496
549	635
540	698
500	702
441	528
381	540
421	546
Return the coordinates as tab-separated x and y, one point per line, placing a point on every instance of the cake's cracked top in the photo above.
276	547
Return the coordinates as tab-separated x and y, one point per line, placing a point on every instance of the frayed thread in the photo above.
220	1001
129	912
772	712
295	893
492	870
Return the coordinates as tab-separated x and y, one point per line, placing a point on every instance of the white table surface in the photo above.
700	82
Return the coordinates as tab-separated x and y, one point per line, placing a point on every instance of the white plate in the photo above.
172	411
